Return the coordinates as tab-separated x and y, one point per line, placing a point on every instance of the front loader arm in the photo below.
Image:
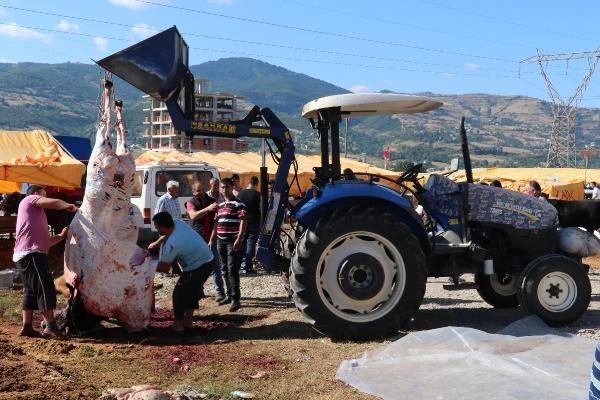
158	66
272	129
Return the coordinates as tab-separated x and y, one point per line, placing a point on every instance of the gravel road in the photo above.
440	307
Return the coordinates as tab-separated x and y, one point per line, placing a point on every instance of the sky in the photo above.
438	46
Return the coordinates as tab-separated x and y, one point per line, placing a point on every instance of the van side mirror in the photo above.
454	164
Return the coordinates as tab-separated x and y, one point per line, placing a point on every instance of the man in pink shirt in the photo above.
32	243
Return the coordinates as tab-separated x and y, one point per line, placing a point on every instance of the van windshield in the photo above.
137	184
185	178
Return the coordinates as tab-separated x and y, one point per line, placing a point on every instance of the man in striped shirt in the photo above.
594	392
228	236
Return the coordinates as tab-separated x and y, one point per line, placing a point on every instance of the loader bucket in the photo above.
156	65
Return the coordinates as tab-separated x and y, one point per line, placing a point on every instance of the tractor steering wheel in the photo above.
410	174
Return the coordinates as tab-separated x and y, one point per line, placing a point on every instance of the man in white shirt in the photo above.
168	202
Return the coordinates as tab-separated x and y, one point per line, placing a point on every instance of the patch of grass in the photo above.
215	391
87	351
10	305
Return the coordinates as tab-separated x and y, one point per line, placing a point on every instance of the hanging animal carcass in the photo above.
108	273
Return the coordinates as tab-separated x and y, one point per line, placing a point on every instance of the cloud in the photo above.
131	4
66	26
6	61
223	2
448	75
101	43
16	31
360	89
472	66
3	12
144	30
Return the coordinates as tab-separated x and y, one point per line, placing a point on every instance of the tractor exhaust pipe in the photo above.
465	151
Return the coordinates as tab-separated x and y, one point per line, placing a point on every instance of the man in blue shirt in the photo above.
186	247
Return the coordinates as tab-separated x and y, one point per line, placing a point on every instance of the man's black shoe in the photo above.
235	305
226	300
28	331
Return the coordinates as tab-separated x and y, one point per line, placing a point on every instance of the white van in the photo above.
151	183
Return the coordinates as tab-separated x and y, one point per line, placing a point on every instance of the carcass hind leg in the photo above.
120	127
104	124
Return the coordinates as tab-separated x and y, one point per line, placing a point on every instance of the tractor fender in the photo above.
356	193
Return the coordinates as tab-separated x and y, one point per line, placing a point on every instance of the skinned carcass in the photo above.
109	273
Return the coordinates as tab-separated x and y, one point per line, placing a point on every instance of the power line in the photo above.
394	22
289	47
271	56
332	34
355	65
505	21
63	32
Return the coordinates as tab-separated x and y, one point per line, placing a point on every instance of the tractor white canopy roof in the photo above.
367	104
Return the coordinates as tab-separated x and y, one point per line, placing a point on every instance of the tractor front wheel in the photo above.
498	290
555	288
358	273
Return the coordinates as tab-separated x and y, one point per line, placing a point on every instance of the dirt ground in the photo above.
267	337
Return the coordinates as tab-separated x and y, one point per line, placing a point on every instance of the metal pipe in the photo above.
346	140
334	123
323	126
465	151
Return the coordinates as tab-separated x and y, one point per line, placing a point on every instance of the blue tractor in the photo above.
358	255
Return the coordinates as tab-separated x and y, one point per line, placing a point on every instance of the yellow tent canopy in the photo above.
248	164
561	183
15	146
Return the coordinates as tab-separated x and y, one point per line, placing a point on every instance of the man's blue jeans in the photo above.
249	246
216	272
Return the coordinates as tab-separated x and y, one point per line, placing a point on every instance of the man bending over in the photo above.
184	245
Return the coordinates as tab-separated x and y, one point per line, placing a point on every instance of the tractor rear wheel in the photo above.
358	273
498	290
555	288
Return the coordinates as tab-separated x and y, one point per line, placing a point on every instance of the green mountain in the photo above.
264	84
503	130
62	98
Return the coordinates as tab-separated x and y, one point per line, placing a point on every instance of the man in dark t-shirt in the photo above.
202	209
251	198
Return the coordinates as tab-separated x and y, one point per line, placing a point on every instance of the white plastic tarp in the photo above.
455	363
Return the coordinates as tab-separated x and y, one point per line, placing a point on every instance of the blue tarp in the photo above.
80	148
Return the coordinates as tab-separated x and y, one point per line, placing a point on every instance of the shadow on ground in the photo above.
210	328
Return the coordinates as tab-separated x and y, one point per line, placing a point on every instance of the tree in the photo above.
402	165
